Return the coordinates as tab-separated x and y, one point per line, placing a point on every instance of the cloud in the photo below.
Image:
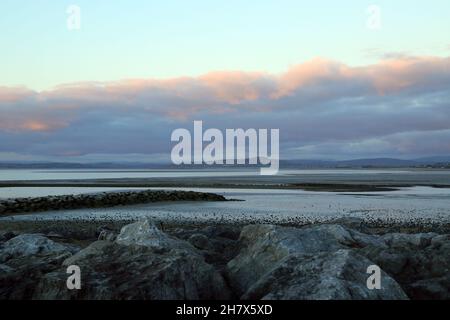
320	106
14	94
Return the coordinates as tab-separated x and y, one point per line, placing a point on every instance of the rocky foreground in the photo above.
326	261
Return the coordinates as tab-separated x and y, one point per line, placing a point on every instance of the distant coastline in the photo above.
438	162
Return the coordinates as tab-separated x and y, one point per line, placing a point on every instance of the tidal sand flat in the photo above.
413	205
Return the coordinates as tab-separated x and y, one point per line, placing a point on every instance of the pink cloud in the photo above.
309	73
319	80
393	75
237	86
19	124
14	94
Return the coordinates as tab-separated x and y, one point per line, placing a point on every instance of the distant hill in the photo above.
432	162
378	162
370	163
72	165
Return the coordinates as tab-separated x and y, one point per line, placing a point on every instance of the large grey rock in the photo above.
143	263
145	233
26	258
20	275
94	249
31	244
419	262
264	246
113	271
403	240
329	275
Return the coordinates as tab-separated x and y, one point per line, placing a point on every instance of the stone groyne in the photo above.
99	200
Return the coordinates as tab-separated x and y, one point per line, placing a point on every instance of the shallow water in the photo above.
424	204
413	176
26	192
75	174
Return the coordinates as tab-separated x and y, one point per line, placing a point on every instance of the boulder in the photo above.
31	244
94	249
113	271
26	258
145	233
419	262
339	275
143	263
264	246
404	240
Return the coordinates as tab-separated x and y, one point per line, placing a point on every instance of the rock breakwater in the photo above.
99	200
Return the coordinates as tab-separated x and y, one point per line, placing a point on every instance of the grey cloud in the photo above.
320	107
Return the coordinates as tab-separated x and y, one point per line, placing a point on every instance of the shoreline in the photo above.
139	183
92	205
88	229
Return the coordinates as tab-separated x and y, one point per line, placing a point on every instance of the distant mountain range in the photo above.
371	163
432	162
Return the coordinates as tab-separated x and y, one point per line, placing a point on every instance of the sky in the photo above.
340	80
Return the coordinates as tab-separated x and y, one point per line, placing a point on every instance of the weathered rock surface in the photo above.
94	249
144	233
218	244
26	259
264	246
419	262
114	271
31	244
327	261
143	263
337	275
